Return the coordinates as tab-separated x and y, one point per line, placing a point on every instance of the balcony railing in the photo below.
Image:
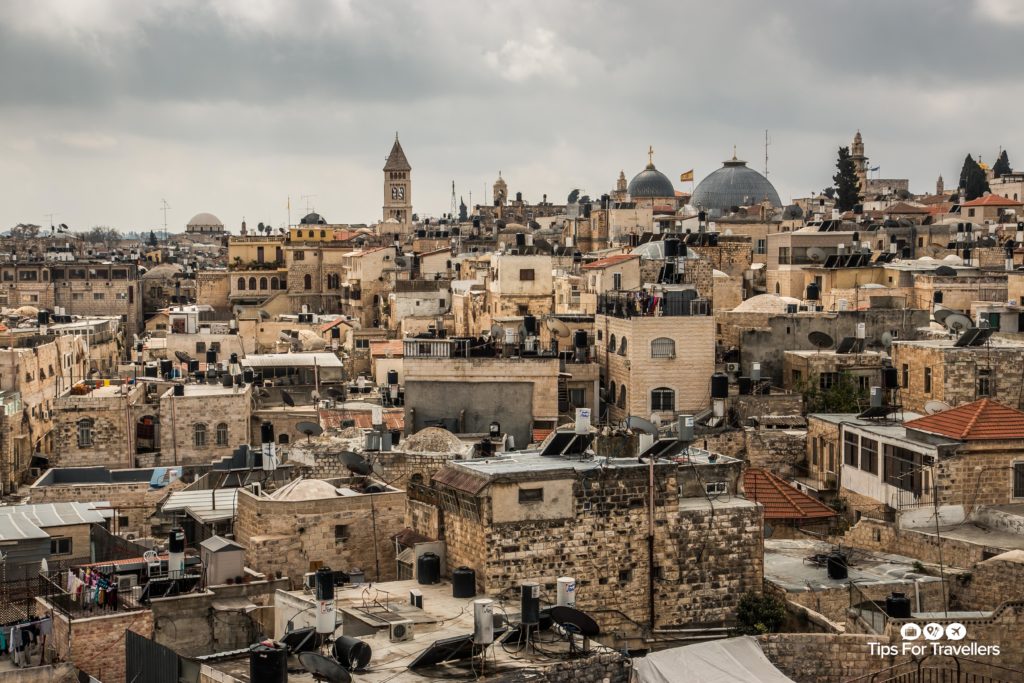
683	302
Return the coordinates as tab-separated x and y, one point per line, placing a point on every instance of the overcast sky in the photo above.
107	107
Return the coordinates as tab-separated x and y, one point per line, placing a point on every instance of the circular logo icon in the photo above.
956	631
933	631
910	631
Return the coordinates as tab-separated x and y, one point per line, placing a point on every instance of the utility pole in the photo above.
766	143
164	206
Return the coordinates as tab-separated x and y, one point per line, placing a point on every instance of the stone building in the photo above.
205	224
398	188
939	370
80	288
821	369
535	517
343	524
206	423
94	426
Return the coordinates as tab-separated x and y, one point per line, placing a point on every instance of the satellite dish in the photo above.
497	331
639	424
887	340
557	327
941	314
820	340
816	254
573	197
935	406
355	463
957	323
309	429
287	398
182	356
575	621
323	668
945	271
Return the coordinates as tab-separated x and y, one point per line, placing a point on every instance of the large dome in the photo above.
205	220
733	185
650	182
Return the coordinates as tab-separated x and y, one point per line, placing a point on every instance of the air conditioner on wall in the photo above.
732	367
400	631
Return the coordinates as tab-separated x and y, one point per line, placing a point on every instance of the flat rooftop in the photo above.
786	566
949	343
892	429
71	476
202	389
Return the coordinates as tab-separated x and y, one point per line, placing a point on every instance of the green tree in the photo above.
843	396
973	182
846	182
152	239
757	614
1002	165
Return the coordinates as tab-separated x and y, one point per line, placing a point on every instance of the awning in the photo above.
733	660
234	605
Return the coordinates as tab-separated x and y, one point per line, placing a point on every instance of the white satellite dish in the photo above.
935	406
957	323
557	327
887	340
816	254
639	424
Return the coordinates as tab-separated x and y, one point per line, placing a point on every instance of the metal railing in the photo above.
954	670
869	611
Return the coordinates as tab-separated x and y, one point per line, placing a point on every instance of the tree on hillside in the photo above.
101	234
1002	165
973	182
846	182
25	231
152	239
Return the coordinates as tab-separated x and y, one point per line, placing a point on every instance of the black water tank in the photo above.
890	377
719	385
193	366
463	583
712	239
671	248
267	432
176	541
227	380
579	339
813	292
836	566
324	584
897	606
179	389
428	569
248	375
165	367
351	653
392	376
529	603
43	317
268	664
745	385
211	356
151	370
530	323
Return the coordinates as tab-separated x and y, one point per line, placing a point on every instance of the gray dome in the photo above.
733	185
313	219
650	182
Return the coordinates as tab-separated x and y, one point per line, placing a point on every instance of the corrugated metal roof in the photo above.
281	360
460	480
46	515
216	544
984	420
202	501
18	527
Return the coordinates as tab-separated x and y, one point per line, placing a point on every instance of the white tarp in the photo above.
733	660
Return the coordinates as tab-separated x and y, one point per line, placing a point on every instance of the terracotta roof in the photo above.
540	434
992	200
363	419
610	261
382	348
780	500
983	420
334	323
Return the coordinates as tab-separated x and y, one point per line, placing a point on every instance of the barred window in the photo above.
663	347
85	432
663	398
199	435
222	434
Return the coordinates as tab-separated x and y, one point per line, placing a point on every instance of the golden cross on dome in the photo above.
650	155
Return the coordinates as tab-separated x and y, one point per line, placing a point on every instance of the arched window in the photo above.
307	281
622	396
323	233
85	430
777	288
611	394
273	283
416	478
199	435
222	434
241	284
663	398
282	439
622	347
611	343
263	283
663	347
252	283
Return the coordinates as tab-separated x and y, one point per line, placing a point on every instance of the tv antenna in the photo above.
767	142
307	197
164	206
50	216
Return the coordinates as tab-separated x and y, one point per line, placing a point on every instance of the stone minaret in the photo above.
860	162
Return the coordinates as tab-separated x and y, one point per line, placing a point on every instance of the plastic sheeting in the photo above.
734	660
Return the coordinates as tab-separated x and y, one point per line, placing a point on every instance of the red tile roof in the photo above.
984	420
992	200
539	434
363	419
610	261
780	500
382	348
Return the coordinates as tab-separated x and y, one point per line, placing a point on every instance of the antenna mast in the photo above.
307	197
767	142
164	206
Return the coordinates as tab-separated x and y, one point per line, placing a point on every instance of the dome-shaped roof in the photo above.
735	184
313	219
766	303
433	440
792	212
650	182
205	220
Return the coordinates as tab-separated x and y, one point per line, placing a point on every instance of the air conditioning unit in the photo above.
256	488
732	367
400	631
126	582
309	580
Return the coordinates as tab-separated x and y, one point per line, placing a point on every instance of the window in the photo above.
611	393
307	281
762	247
252	283
222	434
622	347
928	380
341	533
716	488
663	398
199	435
814	452
663	347
98	296
850	449
299	255
201	347
783	256
903	469
241	284
85	431
869	455
526	274
1018	480
970	213
622	396
60	546
797	377
77	296
283	439
273	283
863	382
531	495
984	382
577	397
362	343
827	380
625	575
905	378
263	283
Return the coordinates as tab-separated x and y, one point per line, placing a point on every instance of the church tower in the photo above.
940	186
860	162
500	191
621	192
398	186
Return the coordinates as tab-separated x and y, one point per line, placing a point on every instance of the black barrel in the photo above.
211	356
463	583
745	385
43	317
813	292
324	584
193	366
890	378
836	566
227	380
897	606
719	385
151	370
179	389
392	377
428	569
352	653
165	367
671	248
176	542
529	603
579	339
268	664
248	375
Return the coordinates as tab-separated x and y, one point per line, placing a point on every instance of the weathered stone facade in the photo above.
95	645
